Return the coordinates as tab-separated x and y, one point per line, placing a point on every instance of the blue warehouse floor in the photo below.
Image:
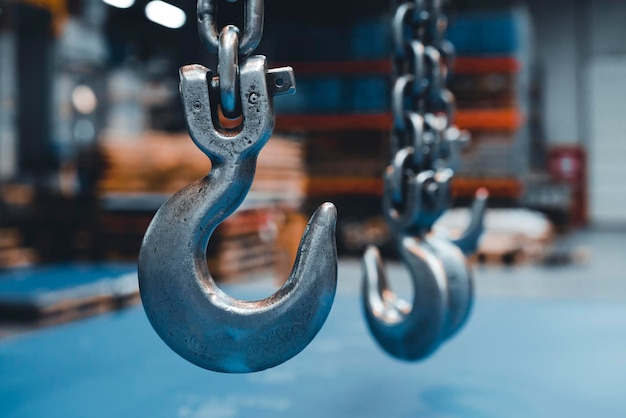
541	342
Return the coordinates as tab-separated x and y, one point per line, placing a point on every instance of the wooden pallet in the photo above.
9	238
47	296
510	249
72	310
507	258
17	257
12	252
165	163
59	314
510	237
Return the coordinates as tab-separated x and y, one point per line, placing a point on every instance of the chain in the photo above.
424	141
228	91
230	47
254	17
182	301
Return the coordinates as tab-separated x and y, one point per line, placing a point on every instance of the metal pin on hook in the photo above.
185	306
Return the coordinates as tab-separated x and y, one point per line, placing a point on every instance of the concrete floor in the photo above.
541	342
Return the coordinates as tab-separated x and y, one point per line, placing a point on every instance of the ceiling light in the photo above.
120	4
165	14
84	99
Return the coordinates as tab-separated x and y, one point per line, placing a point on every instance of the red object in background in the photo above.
568	164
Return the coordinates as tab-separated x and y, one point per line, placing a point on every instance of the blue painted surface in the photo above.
490	33
516	358
32	284
38	280
333	93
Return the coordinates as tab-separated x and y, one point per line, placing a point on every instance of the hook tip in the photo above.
371	254
468	242
325	216
374	277
480	205
318	246
482	193
328	210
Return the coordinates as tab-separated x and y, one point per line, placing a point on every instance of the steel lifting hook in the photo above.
182	301
441	280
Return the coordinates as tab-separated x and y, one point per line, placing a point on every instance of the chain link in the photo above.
424	142
230	47
254	15
228	70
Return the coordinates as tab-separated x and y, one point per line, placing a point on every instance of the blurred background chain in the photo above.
425	142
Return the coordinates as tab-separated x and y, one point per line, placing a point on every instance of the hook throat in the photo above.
199	320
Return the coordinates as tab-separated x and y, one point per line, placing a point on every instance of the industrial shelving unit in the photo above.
490	119
332	119
341	110
339	118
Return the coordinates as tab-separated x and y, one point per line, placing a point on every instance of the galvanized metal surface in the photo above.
468	240
254	16
442	291
228	70
425	150
187	309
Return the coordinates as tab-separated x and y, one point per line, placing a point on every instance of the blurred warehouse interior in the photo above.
93	138
93	141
